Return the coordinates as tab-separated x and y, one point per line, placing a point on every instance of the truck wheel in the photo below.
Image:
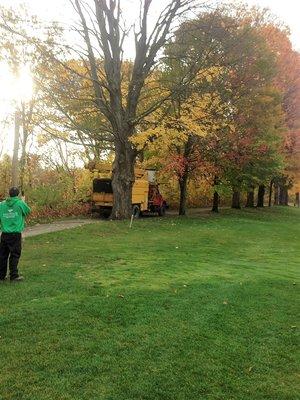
104	213
162	211
136	211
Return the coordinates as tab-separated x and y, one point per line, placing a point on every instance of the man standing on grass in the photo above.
13	212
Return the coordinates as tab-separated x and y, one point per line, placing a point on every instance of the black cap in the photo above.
14	192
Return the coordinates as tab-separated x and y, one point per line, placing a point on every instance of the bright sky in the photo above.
287	10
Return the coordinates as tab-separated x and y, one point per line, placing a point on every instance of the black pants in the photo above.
10	253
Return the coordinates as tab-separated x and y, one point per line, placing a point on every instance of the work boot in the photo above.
17	279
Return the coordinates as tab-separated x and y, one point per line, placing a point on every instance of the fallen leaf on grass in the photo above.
121	296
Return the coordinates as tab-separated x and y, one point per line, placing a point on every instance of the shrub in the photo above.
47	213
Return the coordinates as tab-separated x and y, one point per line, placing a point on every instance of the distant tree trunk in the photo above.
183	180
216	201
297	202
270	192
183	193
23	161
283	196
26	121
15	159
236	201
216	197
261	195
276	194
22	169
250	198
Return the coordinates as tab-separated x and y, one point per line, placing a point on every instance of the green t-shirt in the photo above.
12	215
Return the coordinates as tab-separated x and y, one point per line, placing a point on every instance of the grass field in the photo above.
202	307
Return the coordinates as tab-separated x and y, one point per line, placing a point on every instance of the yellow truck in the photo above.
146	197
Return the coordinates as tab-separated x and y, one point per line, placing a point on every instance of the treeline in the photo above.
212	101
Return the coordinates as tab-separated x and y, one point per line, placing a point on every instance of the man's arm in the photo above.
25	209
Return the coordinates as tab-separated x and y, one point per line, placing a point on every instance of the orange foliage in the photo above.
287	80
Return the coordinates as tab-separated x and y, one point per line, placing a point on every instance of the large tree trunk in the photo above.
283	196
250	198
261	195
183	193
122	180
216	197
236	202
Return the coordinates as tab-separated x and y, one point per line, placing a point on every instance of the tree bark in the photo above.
183	193
216	197
250	198
123	180
183	179
23	159
297	202
216	200
283	196
236	202
276	194
15	159
270	192
26	116
22	169
261	195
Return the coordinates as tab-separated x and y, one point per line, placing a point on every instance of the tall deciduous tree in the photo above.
104	38
19	52
229	41
287	81
175	143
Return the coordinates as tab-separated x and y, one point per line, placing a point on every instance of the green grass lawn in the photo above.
202	307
